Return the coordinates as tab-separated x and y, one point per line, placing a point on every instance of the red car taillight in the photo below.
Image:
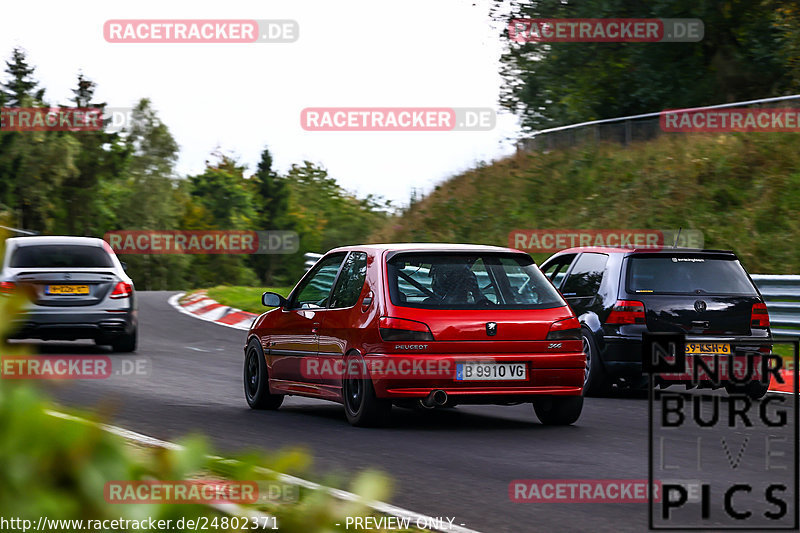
7	287
122	290
626	312
759	316
401	329
565	330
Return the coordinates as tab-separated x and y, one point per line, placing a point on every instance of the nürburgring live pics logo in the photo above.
726	461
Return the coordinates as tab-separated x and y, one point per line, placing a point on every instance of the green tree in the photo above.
325	215
6	167
32	164
740	57
224	198
224	192
21	89
151	197
271	194
87	206
786	21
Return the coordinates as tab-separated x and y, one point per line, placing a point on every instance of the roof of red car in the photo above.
427	247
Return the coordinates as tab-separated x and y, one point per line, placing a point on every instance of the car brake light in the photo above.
759	316
401	329
122	290
7	287
565	330
626	312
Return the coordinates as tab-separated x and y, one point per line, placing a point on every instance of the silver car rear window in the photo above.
60	256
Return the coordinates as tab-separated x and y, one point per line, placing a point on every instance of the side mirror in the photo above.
272	299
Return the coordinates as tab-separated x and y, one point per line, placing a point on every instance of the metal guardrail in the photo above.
782	295
20	231
623	130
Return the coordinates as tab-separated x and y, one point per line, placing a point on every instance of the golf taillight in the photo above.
759	316
626	312
565	330
401	329
122	290
7	287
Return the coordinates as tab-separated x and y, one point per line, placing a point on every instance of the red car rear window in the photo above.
469	281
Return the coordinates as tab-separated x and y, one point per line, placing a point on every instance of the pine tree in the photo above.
273	194
272	204
32	164
83	209
21	89
84	92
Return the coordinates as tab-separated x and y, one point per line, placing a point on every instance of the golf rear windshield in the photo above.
469	281
694	274
60	256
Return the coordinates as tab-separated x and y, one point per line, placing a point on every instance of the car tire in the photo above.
361	407
558	410
755	390
125	343
595	381
256	380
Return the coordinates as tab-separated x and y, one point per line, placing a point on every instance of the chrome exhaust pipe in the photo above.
435	398
439	397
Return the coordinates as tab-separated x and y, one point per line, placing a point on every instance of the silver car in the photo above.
77	287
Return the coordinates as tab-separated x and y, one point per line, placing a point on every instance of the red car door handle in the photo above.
315	328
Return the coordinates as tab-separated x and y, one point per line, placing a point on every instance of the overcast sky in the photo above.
242	97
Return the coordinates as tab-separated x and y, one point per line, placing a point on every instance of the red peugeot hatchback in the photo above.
427	325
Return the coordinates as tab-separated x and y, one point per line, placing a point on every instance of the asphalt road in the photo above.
455	463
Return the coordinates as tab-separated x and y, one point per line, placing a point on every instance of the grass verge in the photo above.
244	298
741	190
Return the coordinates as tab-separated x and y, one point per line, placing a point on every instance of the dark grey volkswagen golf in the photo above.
77	289
618	294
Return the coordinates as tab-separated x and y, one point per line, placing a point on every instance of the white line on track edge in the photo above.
380	507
